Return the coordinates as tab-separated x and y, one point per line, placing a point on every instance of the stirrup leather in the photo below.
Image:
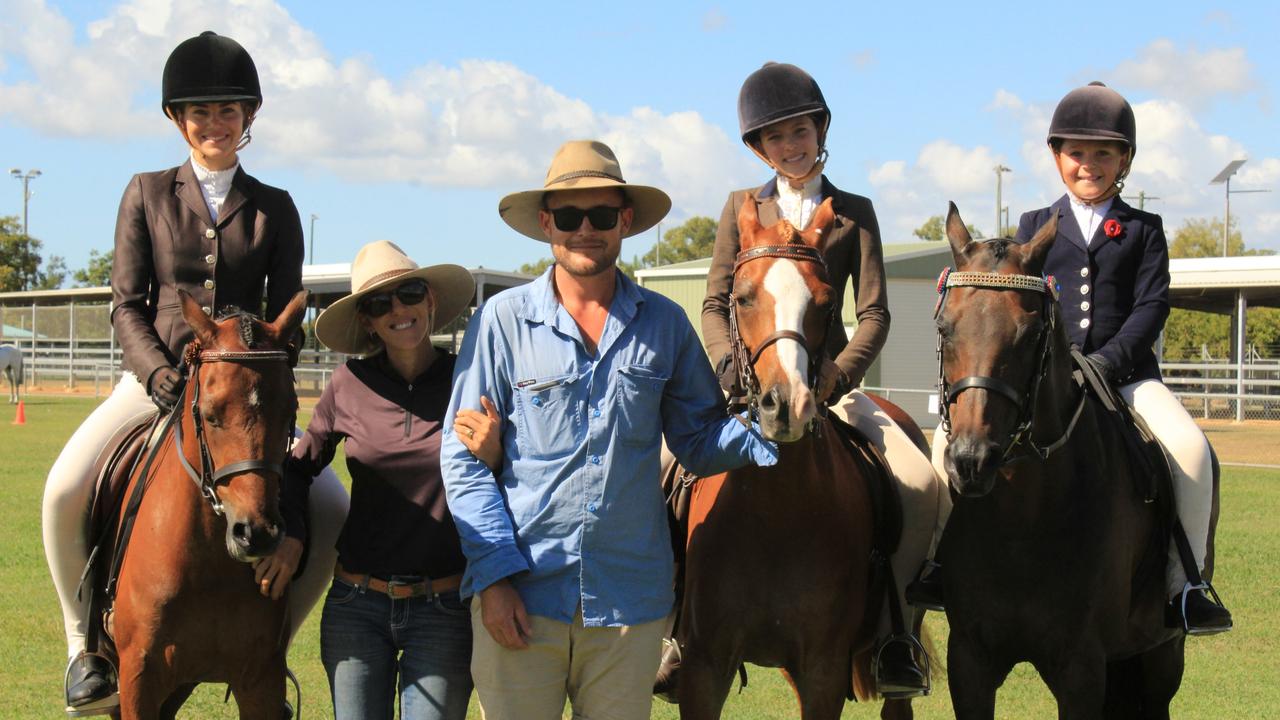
917	651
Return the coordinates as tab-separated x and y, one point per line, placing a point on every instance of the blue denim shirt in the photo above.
576	514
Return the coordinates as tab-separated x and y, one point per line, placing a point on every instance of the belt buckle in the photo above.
408	588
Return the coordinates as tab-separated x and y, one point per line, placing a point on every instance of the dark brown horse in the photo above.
186	608
1052	555
778	564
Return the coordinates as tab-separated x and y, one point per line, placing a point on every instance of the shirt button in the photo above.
1084	272
595	412
536	402
207	310
591	507
1084	305
209	258
595	459
210	234
1084	289
208	284
1084	323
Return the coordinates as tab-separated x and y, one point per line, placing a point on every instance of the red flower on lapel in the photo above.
1112	228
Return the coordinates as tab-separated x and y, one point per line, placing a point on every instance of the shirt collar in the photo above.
1079	206
218	179
541	304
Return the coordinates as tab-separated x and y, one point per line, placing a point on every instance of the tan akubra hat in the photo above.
379	265
582	165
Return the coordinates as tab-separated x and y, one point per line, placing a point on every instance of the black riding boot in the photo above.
898	674
926	590
666	683
1198	613
90	686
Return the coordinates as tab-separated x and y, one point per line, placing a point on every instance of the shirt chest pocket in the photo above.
550	424
638	402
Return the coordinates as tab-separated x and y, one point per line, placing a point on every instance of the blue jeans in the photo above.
367	640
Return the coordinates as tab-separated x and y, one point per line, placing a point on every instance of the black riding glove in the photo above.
163	387
727	372
1103	366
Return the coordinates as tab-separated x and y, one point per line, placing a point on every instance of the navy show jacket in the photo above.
1114	290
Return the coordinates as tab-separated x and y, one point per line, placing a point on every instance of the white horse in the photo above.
11	362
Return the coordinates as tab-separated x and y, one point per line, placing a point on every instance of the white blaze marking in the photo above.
790	298
254	400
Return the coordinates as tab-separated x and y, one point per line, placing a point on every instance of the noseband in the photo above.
745	358
1024	401
208	477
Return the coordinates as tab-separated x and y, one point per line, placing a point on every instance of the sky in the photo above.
408	121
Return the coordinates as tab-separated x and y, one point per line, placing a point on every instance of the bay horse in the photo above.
186	608
1053	554
11	362
778	563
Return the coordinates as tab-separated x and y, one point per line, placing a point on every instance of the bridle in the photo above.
208	476
743	357
1025	401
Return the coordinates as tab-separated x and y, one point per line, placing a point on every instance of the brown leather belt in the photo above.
398	590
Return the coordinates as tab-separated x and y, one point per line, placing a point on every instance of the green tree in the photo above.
1201	237
97	273
934	230
536	268
53	274
690	241
19	257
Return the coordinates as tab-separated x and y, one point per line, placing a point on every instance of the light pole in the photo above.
26	179
312	253
1222	178
1000	171
1142	197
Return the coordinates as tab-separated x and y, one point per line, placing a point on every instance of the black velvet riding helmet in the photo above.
780	91
209	68
1094	112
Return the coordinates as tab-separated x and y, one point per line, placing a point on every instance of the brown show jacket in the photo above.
165	240
852	249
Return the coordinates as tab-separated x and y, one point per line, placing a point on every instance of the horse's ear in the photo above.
1036	250
957	234
748	222
290	319
201	324
820	226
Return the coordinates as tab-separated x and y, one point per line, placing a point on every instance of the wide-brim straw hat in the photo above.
380	265
584	165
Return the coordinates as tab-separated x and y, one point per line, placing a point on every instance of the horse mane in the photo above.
786	232
247	322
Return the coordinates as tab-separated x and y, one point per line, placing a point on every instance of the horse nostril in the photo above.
769	401
240	531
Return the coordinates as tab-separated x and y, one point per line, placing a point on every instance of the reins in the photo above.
1026	402
745	358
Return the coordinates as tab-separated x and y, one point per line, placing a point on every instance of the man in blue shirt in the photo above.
568	549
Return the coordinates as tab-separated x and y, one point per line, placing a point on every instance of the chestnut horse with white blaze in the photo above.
778	568
186	608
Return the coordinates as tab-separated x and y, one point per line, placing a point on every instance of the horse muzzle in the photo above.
248	540
785	413
971	464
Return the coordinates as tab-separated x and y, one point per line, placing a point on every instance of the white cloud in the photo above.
1188	75
714	19
480	123
907	194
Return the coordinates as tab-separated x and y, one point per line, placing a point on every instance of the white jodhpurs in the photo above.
65	513
918	486
1189	458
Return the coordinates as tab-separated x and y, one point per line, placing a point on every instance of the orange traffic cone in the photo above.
21	417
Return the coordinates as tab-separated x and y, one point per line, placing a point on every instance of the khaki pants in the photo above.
1189	457
605	672
65	512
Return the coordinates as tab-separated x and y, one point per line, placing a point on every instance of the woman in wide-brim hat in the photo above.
208	228
393	610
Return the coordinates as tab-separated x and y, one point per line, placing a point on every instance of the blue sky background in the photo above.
408	121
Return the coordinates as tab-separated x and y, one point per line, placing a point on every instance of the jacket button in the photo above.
1084	305
1084	323
209	258
207	310
1084	272
208	284
210	234
1084	289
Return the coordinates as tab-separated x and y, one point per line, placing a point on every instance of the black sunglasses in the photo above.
602	217
379	304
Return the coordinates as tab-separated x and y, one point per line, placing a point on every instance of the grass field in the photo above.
1228	676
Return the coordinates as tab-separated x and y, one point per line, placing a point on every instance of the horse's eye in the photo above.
211	419
742	301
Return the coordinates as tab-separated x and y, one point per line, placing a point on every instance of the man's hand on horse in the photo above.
830	380
273	572
481	433
503	614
